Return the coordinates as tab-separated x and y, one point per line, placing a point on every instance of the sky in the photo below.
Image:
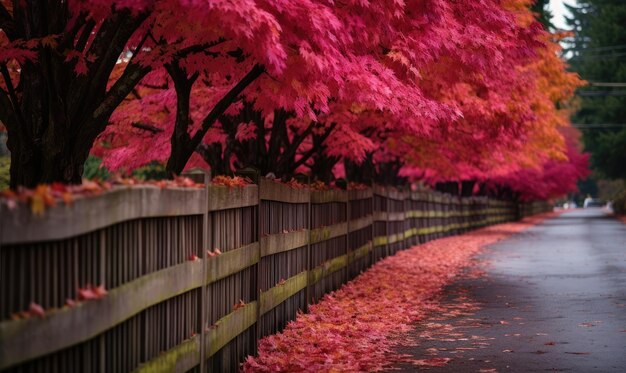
559	11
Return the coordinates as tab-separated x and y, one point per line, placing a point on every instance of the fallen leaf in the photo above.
86	293
193	258
100	291
36	310
239	305
433	362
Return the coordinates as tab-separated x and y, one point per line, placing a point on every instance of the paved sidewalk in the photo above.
553	299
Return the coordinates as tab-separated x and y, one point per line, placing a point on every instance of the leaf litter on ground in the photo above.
356	328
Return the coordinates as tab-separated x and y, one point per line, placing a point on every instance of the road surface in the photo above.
553	299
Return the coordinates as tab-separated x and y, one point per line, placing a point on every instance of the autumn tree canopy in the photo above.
383	91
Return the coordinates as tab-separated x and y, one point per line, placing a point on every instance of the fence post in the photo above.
386	191
349	263
372	256
257	284
307	292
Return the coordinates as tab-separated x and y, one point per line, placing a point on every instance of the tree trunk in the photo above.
54	114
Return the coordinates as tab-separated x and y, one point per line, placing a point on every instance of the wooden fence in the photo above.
282	249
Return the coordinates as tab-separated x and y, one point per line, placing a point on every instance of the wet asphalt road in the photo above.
553	299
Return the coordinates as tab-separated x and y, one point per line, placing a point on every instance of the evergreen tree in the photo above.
598	54
540	8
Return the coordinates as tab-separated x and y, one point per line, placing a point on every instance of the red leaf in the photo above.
36	310
193	258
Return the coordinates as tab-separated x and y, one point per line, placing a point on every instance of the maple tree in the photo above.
388	91
67	66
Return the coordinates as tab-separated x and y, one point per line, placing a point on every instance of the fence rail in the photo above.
282	249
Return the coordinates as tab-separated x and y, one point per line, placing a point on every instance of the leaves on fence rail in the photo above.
48	195
354	328
236	181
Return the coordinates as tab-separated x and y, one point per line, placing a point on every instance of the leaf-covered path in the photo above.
359	327
553	298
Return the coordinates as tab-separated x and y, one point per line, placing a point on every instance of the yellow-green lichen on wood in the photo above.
180	358
380	241
326	233
231	262
229	327
279	293
26	339
327	268
361	251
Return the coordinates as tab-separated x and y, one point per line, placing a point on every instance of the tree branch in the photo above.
12	94
225	102
147	127
315	148
7	113
7	24
290	152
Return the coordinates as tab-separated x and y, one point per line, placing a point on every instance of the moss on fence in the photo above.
5	164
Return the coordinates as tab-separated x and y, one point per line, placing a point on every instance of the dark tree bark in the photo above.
449	187
54	115
272	150
467	188
386	173
186	145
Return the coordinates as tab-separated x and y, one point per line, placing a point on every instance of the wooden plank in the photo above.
395	238
279	293
231	262
274	191
379	190
410	233
26	339
327	196
396	194
395	216
380	241
361	251
379	216
361	223
326	233
327	268
356	194
180	358
278	243
87	214
229	327
223	197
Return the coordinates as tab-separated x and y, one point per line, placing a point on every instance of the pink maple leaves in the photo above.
356	327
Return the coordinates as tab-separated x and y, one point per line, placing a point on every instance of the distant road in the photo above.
554	301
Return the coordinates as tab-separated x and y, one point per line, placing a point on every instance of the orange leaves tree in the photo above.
380	91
